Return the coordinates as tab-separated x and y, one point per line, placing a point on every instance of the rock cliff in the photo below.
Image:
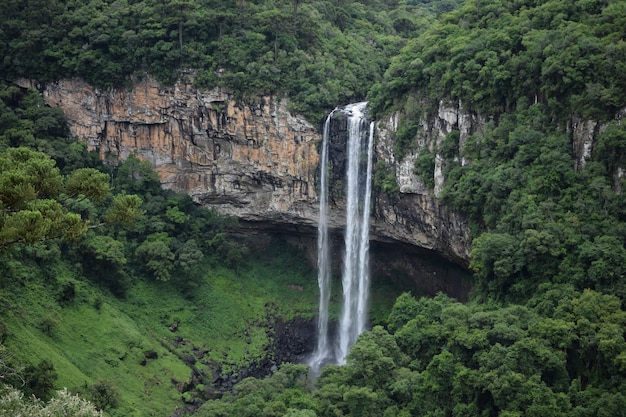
256	161
417	212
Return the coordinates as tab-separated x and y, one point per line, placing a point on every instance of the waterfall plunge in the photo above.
322	350
355	278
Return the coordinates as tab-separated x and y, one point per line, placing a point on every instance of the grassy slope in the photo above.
98	337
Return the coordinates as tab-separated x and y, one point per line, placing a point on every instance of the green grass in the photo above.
229	311
99	337
87	345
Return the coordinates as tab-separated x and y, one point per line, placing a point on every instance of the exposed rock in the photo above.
260	163
583	132
188	358
416	215
151	354
292	340
254	161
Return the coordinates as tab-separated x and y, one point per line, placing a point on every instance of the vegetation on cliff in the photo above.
140	316
495	56
560	354
534	70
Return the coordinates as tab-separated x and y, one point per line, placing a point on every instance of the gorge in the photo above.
177	208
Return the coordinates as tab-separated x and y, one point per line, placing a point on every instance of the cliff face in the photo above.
402	213
255	161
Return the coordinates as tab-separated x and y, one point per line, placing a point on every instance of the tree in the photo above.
156	254
13	403
104	395
36	200
40	379
495	259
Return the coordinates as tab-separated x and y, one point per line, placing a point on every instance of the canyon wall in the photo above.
254	160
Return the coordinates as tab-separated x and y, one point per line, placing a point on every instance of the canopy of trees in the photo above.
62	209
496	55
319	53
544	334
563	353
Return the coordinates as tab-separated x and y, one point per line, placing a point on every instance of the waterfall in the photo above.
355	276
322	350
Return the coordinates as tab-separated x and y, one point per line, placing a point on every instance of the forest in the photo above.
318	53
543	331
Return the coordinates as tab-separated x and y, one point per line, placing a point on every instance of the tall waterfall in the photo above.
355	278
322	350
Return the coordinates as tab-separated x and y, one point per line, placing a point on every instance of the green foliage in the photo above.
44	197
92	307
103	394
124	209
135	176
449	148
34	204
104	260
89	183
527	201
405	136
493	55
447	358
546	236
156	255
25	120
13	403
610	147
385	180
425	167
40	380
318	53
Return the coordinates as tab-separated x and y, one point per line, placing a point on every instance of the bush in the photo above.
40	379
425	167
384	180
12	403
104	395
66	294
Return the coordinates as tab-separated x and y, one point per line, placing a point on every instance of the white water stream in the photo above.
355	275
322	350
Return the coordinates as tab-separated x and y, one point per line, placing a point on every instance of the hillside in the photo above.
541	180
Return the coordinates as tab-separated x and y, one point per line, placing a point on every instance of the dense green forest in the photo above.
318	53
543	333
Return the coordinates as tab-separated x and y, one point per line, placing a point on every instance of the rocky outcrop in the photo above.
254	160
402	213
584	134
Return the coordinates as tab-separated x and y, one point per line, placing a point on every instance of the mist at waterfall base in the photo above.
332	349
